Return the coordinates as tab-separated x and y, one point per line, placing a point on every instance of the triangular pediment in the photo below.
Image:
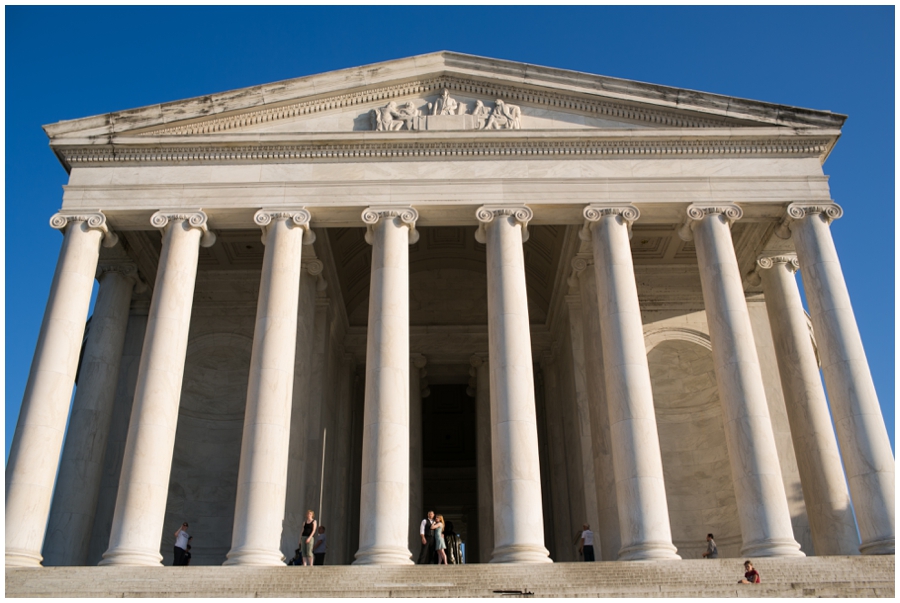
402	95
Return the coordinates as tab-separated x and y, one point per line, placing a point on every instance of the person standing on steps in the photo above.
306	538
181	544
426	533
586	547
439	544
712	551
319	549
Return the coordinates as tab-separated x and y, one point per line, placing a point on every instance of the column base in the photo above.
521	553
20	558
248	556
131	557
383	556
877	547
786	547
647	551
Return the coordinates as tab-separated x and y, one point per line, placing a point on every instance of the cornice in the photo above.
536	97
411	148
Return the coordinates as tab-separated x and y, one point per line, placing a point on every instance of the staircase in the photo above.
860	576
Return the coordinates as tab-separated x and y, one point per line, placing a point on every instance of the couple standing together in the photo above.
431	531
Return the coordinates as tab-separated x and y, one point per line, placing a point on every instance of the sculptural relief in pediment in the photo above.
446	113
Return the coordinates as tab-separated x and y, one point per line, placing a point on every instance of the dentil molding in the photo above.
410	148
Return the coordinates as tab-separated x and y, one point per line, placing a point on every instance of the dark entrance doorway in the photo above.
449	461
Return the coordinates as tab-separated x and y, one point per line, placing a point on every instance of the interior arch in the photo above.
699	487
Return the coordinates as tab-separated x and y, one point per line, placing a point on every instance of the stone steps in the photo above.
810	577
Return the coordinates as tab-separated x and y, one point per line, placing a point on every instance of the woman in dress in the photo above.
306	538
439	544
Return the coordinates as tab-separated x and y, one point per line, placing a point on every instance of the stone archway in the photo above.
699	487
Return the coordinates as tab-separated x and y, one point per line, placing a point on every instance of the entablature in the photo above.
257	148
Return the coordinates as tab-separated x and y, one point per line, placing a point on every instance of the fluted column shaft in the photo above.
146	465
818	458
81	467
384	496
865	446
518	508
637	461
34	453
262	476
758	487
485	480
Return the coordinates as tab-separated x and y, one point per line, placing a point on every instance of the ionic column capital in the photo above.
580	263
798	211
766	262
92	221
128	270
485	214
406	214
296	217
418	360
595	212
314	267
731	212
477	360
197	219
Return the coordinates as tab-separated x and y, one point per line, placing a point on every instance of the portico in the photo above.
605	273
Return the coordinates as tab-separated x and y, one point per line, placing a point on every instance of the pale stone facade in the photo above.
525	297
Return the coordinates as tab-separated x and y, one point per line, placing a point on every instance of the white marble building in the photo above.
525	297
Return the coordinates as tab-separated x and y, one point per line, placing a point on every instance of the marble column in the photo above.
481	367
601	506
563	491
262	474
637	461
81	467
416	479
516	470
384	495
818	458
578	425
758	487
865	446
144	482
34	453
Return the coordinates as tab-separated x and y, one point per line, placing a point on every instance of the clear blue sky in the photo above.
65	63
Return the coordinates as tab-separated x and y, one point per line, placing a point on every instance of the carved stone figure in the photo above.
445	105
481	113
392	118
504	117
